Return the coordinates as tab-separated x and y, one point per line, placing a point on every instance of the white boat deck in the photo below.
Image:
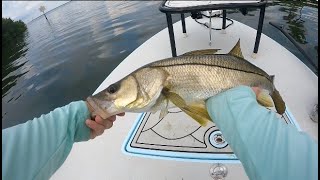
103	158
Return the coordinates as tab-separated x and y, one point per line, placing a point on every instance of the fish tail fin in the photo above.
278	102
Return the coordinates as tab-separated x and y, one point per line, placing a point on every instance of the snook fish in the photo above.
186	81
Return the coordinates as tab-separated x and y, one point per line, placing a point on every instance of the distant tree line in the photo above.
12	40
12	32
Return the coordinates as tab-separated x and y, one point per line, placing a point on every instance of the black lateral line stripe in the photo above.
169	65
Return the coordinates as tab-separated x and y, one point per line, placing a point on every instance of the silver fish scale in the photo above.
200	77
225	61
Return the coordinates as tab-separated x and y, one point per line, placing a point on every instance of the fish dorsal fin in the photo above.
201	52
236	50
196	111
272	78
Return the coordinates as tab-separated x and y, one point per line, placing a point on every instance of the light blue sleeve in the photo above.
267	147
37	148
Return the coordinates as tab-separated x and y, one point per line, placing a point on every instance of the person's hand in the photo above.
97	125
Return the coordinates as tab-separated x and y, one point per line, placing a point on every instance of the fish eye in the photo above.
113	88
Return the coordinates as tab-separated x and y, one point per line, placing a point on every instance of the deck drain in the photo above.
314	113
217	140
218	171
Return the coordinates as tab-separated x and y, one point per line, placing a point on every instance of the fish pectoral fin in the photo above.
153	112
236	50
163	113
174	98
197	111
201	52
265	99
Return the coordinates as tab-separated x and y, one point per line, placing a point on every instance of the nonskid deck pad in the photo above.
179	137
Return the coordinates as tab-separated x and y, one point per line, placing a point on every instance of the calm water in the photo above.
66	58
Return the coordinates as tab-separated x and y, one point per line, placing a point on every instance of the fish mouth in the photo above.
96	108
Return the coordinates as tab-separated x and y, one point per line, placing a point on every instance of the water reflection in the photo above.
69	55
301	22
12	61
66	58
294	22
299	19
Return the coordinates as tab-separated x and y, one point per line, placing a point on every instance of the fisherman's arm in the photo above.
267	147
37	148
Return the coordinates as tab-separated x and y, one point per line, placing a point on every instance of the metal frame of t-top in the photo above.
182	10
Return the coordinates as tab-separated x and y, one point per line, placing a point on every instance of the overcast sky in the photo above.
27	10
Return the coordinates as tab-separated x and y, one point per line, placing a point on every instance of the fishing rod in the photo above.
295	44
